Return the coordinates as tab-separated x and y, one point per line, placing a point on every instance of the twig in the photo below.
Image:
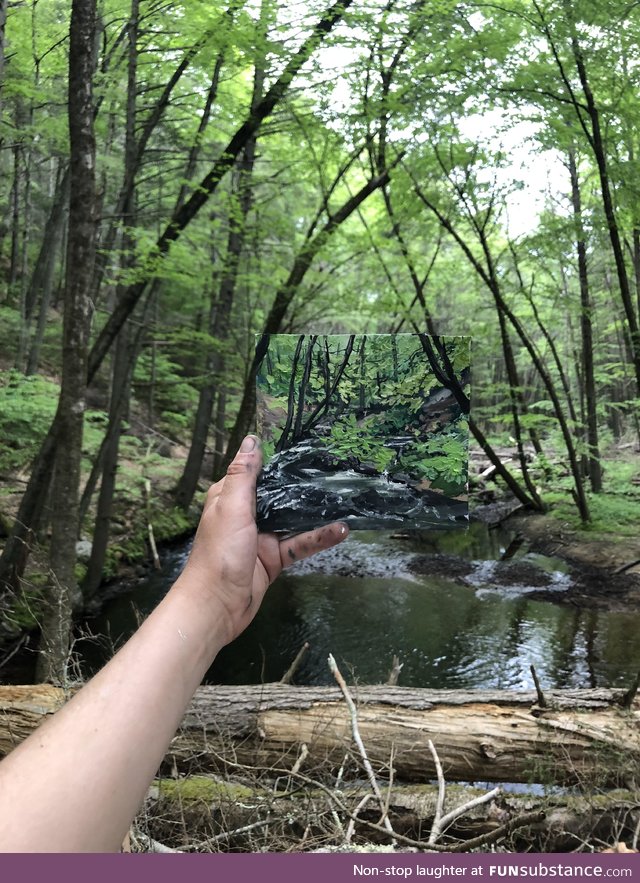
528	818
151	845
340	775
152	539
301	759
627	698
625	567
436	827
542	702
387	801
394	674
14	650
287	677
450	817
225	835
304	751
359	743
352	821
636	835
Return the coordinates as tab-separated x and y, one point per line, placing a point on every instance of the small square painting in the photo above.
370	429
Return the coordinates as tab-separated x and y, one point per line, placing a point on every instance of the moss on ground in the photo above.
203	788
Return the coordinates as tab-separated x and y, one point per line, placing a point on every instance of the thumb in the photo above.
239	487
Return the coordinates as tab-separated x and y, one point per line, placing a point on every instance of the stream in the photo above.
455	613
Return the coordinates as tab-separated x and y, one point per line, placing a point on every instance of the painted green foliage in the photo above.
373	400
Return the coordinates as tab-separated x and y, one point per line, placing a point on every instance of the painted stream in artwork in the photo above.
469	621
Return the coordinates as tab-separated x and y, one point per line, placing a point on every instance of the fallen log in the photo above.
204	811
582	737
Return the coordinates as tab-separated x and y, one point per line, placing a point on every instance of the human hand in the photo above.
230	560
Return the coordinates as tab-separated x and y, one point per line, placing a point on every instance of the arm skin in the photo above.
76	783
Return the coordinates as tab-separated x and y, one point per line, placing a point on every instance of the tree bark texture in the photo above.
583	736
586	330
77	317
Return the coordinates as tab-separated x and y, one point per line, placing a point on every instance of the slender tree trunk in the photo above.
599	151
283	441
41	283
515	395
14	260
124	356
3	22
302	391
588	372
77	315
194	153
219	434
23	339
362	389
123	364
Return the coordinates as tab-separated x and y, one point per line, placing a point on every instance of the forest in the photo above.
187	186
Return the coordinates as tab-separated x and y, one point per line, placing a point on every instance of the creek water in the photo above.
305	485
361	602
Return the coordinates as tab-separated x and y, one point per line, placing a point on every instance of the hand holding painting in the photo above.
76	783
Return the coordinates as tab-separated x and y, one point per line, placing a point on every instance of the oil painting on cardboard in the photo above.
367	429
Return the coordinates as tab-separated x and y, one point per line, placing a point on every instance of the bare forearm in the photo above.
96	757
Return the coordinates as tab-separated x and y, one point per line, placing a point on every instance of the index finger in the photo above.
303	545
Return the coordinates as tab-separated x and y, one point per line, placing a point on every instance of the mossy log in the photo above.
209	809
584	737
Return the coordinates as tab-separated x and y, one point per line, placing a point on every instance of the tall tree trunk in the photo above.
304	382
588	372
41	282
123	364
219	434
124	356
77	315
14	260
3	22
596	142
515	397
291	398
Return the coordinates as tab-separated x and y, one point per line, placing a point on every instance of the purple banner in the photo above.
316	868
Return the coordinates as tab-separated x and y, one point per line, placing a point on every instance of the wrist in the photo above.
203	614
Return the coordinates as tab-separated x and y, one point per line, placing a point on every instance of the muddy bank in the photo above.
599	565
579	586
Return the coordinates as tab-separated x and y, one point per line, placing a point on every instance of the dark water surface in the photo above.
447	632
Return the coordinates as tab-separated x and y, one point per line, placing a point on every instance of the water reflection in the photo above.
447	634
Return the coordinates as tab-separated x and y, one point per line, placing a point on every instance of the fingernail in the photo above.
248	444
